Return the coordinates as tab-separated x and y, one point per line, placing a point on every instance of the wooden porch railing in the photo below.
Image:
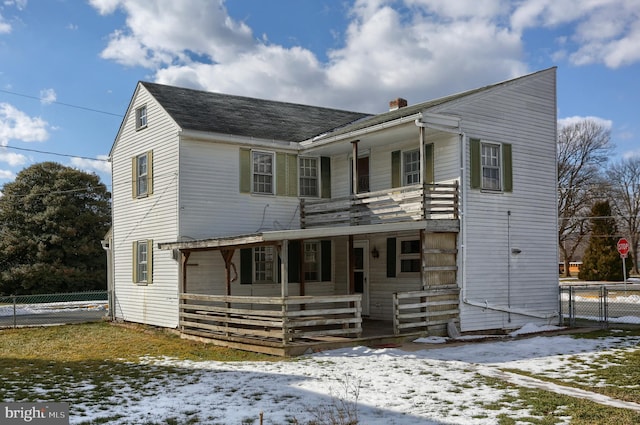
408	203
271	318
416	310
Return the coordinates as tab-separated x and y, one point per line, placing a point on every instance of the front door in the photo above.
361	273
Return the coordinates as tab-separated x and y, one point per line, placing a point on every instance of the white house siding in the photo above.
523	114
211	204
446	161
153	217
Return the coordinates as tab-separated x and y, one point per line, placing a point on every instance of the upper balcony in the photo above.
407	203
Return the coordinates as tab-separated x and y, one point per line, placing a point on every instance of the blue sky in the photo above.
68	68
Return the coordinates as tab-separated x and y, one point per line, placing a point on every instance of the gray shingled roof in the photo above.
249	117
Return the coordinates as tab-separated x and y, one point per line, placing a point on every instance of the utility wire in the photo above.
84	108
55	153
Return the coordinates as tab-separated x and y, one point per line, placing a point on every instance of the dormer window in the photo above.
141	117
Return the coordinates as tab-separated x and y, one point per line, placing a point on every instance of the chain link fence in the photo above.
604	305
52	309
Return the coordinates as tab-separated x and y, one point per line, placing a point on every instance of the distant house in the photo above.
275	226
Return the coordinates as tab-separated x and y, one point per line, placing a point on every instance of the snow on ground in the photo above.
436	384
43	308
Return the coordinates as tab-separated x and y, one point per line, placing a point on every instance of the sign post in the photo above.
623	249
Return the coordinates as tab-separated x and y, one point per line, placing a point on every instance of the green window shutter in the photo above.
429	174
281	174
474	163
246	266
134	177
294	261
292	178
149	173
507	167
245	170
134	261
325	176
391	257
396	174
149	261
325	257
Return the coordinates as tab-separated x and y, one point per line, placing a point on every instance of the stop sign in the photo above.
623	246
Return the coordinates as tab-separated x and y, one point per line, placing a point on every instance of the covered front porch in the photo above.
359	305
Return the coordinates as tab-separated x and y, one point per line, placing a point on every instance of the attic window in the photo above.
141	117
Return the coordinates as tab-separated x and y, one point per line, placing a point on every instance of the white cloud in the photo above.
12	158
417	49
5	27
165	31
605	123
16	125
631	154
602	31
48	96
92	165
6	175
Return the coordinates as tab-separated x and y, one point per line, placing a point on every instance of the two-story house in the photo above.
275	226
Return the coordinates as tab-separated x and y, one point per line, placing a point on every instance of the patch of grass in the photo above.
106	341
93	362
547	408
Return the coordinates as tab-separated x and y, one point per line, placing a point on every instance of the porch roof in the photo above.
271	237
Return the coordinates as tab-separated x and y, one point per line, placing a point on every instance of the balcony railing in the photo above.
408	203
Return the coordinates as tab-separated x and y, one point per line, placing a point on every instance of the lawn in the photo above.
141	375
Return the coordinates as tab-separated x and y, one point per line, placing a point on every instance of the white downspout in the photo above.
107	246
462	258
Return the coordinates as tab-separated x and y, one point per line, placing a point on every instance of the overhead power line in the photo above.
69	105
57	154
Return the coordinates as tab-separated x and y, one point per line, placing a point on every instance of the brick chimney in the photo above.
397	104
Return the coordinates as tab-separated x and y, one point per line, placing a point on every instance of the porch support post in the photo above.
185	259
352	266
227	255
283	250
422	164
354	160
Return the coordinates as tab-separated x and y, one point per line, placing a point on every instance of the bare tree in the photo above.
583	148
624	178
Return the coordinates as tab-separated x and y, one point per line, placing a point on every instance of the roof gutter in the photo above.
324	140
236	140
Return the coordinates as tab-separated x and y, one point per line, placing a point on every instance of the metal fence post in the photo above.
572	307
605	307
15	317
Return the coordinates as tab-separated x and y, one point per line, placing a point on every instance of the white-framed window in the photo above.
312	262
411	167
263	172
491	166
264	264
142	175
410	255
142	255
141	117
309	177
